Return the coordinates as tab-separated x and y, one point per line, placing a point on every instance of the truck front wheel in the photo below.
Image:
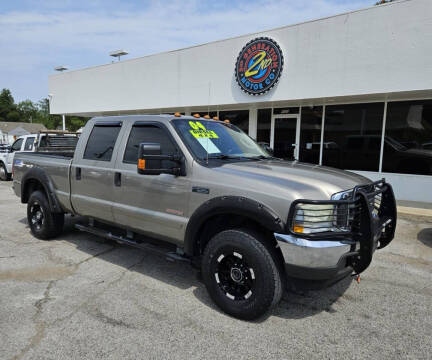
241	274
43	223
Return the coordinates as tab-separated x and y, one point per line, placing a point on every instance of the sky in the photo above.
36	36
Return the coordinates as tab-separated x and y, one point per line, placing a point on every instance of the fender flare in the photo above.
38	174
252	209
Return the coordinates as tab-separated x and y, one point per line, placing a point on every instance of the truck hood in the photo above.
301	180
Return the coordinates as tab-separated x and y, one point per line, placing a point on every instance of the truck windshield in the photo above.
217	140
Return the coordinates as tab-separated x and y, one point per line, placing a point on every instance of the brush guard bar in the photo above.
367	219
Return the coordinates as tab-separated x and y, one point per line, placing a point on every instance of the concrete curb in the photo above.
414	211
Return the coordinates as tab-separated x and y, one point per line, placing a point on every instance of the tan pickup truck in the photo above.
202	191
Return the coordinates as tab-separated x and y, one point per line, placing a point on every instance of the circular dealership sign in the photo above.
259	66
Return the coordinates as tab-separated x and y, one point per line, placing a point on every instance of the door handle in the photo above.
117	179
78	173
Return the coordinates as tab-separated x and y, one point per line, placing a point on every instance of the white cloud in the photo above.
37	40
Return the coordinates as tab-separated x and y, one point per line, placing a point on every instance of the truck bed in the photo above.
55	165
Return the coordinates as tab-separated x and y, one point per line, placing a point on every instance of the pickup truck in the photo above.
44	141
200	190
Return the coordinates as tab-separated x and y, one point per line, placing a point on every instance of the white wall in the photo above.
405	186
381	49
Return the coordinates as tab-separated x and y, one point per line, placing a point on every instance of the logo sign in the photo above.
259	66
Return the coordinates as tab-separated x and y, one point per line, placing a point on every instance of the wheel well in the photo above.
31	186
218	223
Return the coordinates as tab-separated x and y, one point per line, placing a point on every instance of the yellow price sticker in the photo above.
199	131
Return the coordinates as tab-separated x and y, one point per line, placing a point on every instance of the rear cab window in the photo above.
101	142
29	143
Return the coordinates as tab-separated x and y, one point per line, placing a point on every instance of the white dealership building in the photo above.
352	91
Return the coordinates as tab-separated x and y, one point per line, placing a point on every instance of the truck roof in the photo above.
166	118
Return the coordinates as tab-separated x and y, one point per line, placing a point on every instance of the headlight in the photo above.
311	218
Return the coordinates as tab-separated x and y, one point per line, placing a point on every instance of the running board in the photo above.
169	255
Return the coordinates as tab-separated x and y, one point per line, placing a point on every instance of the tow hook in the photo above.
356	277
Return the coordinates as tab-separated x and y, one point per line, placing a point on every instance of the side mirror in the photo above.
266	147
150	160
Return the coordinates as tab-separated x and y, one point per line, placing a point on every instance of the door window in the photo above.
149	134
28	146
16	146
101	142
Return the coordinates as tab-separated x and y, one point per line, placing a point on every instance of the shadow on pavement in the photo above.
425	236
294	305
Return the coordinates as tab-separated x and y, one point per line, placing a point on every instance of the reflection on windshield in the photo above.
216	140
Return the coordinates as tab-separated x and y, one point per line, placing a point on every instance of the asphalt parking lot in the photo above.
77	297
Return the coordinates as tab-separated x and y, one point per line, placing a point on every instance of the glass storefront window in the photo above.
352	136
287	110
408	138
239	118
310	134
263	126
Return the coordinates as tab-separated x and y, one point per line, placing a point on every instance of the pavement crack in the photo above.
99	293
40	325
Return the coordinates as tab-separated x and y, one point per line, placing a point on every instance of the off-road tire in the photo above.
247	251
44	224
4	176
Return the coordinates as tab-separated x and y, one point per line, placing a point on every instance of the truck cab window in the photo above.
16	146
28	146
148	133
101	143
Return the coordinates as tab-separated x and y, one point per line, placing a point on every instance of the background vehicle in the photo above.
47	141
202	191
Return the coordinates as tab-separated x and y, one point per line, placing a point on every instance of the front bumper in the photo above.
327	258
313	260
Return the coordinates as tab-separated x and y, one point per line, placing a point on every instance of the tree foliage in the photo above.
28	111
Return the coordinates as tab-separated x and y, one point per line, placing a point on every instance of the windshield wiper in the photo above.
228	157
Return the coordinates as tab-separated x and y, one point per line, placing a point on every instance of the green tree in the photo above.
7	105
28	110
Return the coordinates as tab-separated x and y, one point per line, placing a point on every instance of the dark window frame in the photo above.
103	124
159	125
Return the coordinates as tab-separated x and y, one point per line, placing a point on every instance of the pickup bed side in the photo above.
49	173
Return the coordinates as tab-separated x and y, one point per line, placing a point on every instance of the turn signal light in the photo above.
177	114
298	229
206	117
141	164
196	115
215	118
227	121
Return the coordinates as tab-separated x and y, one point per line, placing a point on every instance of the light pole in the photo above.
62	68
118	53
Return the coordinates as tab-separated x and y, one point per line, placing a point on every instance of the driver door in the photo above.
152	204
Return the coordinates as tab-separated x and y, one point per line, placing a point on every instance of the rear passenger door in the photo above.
92	172
152	204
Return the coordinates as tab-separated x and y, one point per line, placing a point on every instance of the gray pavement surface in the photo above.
77	297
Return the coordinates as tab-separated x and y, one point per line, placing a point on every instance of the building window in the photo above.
310	134
408	138
352	136
239	118
287	110
263	126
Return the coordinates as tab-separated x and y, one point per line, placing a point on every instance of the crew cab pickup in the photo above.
202	191
48	141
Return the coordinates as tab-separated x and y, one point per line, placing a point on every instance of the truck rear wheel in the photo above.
44	224
3	172
241	274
